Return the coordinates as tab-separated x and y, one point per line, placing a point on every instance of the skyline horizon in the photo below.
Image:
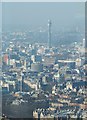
34	15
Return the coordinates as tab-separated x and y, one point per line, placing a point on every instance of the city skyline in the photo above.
43	61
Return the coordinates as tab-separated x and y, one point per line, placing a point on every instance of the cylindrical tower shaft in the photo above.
49	33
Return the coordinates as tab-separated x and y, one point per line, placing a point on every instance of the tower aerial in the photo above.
49	33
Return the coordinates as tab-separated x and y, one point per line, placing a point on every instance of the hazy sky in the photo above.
33	15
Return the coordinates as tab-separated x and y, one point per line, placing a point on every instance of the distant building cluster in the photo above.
50	79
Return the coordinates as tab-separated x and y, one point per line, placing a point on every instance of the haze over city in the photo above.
17	15
43	61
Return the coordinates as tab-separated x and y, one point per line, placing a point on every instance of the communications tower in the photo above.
49	33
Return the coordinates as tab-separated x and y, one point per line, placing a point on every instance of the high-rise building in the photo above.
49	33
5	58
36	67
83	43
21	82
